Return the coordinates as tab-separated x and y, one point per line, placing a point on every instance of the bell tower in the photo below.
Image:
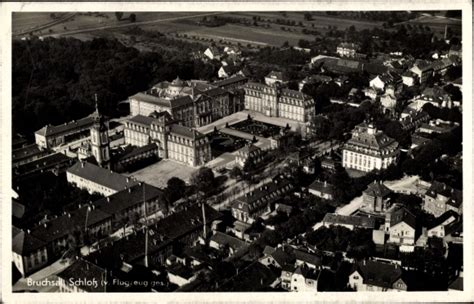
100	139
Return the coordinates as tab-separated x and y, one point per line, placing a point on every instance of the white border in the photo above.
5	142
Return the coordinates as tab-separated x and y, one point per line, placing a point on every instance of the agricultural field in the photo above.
437	23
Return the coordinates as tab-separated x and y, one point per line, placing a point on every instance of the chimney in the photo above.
82	164
108	198
69	215
28	231
128	179
129	190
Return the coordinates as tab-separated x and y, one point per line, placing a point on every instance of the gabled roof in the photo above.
349	45
24	243
26	151
378	273
454	195
127	198
185	131
377	189
403	215
442	218
50	130
101	176
230	80
307	257
357	221
281	76
227	240
142	120
307	272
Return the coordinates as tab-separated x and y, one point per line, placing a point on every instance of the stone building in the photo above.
376	198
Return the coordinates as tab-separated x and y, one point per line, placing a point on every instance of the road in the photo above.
114	26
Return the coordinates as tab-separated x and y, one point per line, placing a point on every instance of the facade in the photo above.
251	205
376	198
377	276
322	190
369	149
442	225
174	141
29	253
381	82
401	227
347	49
441	198
278	102
249	153
100	141
52	136
55	163
27	154
423	70
191	103
95	179
304	279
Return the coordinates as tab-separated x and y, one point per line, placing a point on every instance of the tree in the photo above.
204	180
133	18
175	189
118	15
308	16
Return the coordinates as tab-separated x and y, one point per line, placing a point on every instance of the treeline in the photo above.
385	16
54	81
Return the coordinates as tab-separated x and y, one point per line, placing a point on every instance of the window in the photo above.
356	277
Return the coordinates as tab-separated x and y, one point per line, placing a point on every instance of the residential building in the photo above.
376	198
225	242
192	103
212	53
321	189
232	82
371	275
278	102
409	78
401	227
349	221
132	203
423	70
442	225
95	179
27	154
411	119
56	163
305	279
346	49
251	205
380	82
175	142
369	149
249	153
441	66
437	127
276	77
29	253
441	198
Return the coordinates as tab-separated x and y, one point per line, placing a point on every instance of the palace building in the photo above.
192	103
272	100
369	149
174	141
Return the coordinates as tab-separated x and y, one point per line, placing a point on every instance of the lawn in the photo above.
257	128
158	174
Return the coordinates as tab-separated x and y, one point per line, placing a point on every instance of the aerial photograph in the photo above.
237	151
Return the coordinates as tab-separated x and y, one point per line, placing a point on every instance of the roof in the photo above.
356	221
50	130
43	163
137	151
349	45
181	271
127	198
230	80
454	195
248	149
65	224
423	65
442	218
142	120
180	223
87	271
390	77
377	189
185	131
307	272
26	151
368	136
307	257
283	256
227	240
23	243
104	177
379	273
322	187
403	215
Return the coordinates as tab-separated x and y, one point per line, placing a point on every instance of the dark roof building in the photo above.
377	276
349	221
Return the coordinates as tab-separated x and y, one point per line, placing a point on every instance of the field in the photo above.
437	23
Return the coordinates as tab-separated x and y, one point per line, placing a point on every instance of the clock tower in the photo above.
100	139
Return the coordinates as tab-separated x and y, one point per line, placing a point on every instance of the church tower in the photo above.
100	139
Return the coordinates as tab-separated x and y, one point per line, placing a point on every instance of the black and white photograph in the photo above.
274	151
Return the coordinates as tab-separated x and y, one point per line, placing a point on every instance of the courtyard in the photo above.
159	173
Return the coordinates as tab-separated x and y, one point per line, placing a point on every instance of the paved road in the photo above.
114	26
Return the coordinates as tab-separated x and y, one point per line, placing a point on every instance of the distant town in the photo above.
212	152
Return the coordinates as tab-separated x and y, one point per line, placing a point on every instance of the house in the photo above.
441	198
418	141
305	279
437	127
249	153
409	78
280	257
95	179
222	241
233	82
27	154
232	50
349	221
56	163
388	101
212	53
251	205
400	224
29	252
423	70
346	49
328	164
322	190
276	77
376	198
440	226
370	275
441	66
380	82
180	274
226	71
411	119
